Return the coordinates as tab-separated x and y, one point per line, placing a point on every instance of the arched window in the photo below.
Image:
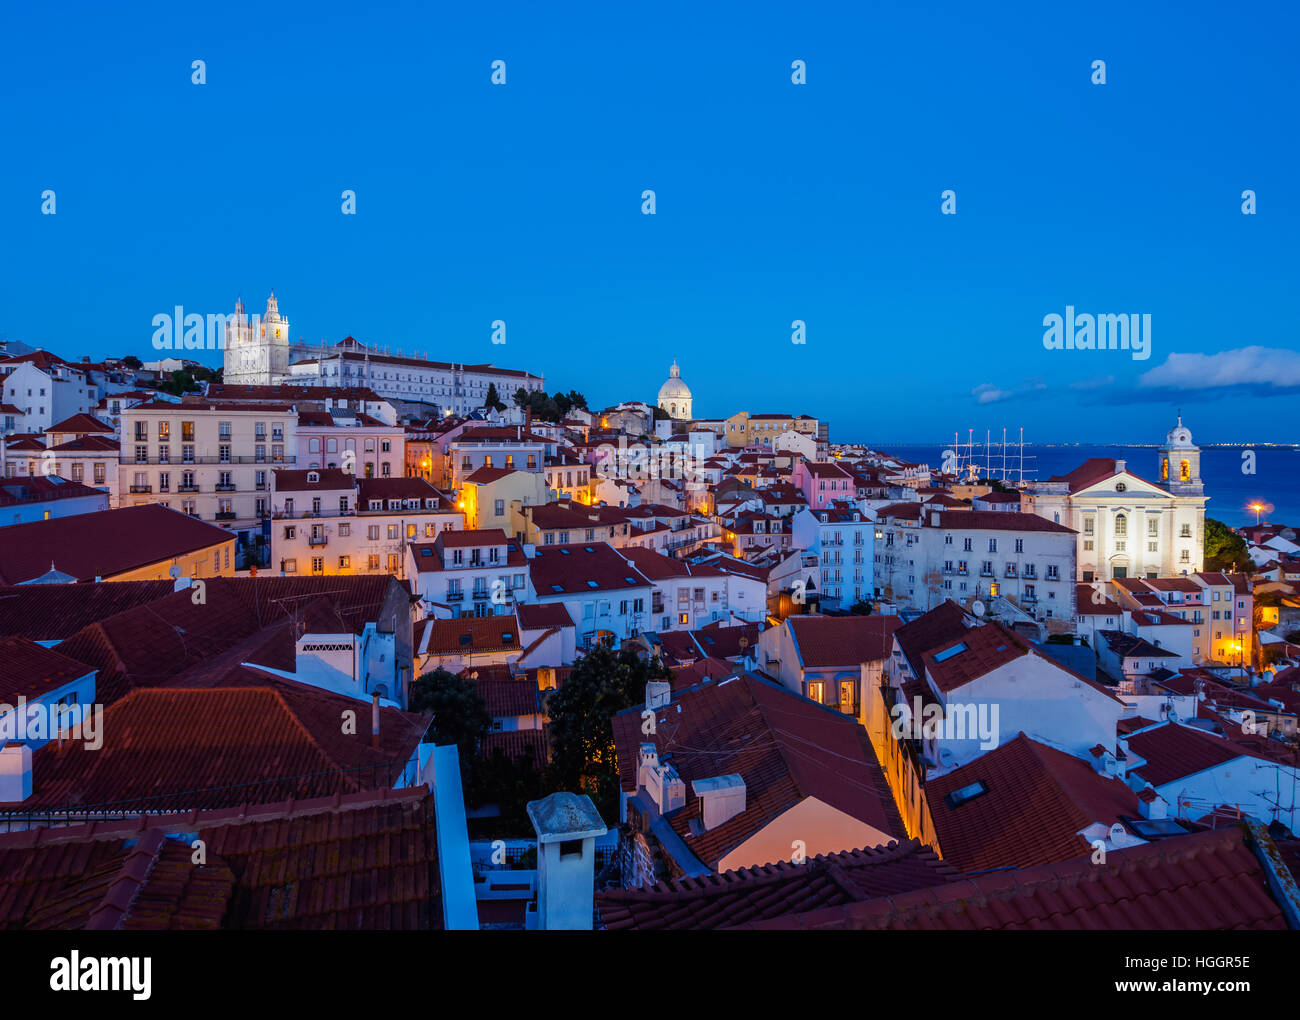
1121	526
1185	470
1164	469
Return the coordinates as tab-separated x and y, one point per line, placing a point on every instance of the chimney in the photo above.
1120	466
721	799
1151	805
660	780
658	693
374	719
567	825
1104	762
15	772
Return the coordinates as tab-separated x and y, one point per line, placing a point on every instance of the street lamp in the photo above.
1258	508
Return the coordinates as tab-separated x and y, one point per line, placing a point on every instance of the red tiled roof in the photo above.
568	569
941	626
543	615
90	444
468	539
49	612
1173	751
1086	599
1202	881
102	543
774	890
785	747
30	489
82	424
350	862
467	635
399	488
30	670
1037	799
1092	471
105	884
328	479
487	475
986	648
998	520
843	640
180	749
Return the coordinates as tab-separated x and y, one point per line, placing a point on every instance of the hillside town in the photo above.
338	637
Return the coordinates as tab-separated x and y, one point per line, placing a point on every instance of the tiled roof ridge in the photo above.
1004	884
193	818
767	874
124	890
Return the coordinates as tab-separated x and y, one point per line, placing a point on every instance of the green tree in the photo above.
602	683
521	398
509	783
459	715
1225	549
131	361
493	399
180	382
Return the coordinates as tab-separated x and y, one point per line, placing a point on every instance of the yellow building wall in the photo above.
200	558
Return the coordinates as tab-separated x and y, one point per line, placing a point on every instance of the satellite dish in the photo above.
174	571
1117	832
977	607
744	642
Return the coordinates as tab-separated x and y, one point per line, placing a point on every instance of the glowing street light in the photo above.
1258	508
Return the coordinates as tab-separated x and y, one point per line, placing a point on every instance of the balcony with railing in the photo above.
316	541
141	488
187	488
208	460
225	515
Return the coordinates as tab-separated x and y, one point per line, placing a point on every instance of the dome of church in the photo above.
1179	436
674	388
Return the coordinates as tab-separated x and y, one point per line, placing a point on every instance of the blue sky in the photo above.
775	202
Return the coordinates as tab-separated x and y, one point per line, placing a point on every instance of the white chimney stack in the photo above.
567	825
15	773
1151	804
658	693
721	799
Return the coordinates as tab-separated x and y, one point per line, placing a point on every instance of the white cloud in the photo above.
1246	366
988	393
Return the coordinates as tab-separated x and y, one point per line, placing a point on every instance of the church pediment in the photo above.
1122	486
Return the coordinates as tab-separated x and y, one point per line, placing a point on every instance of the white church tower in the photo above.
1180	462
257	351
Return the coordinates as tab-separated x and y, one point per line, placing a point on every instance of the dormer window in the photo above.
313	477
376	504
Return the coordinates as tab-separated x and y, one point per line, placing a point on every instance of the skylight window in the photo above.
557	587
966	793
592	584
948	653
